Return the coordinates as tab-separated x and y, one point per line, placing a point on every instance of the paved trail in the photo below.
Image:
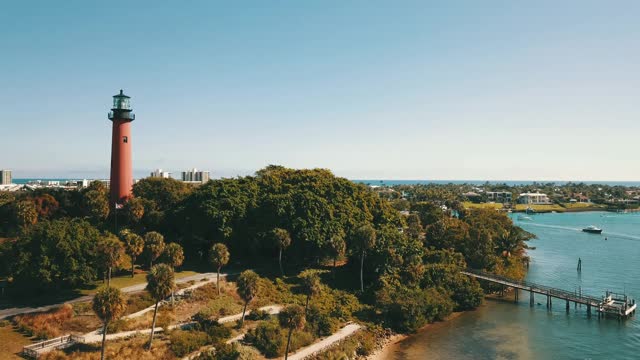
326	342
5	313
96	336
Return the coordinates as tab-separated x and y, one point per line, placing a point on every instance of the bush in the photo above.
268	338
321	323
139	301
361	344
271	340
218	333
407	309
185	342
257	315
165	319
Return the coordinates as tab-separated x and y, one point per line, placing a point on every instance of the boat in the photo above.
522	217
592	230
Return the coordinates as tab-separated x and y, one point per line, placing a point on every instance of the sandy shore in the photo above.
391	343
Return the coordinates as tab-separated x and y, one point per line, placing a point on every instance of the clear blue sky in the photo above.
370	89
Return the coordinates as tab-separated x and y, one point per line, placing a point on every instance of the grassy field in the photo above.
540	208
11	343
583	206
470	205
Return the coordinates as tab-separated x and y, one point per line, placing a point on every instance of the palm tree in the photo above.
366	234
219	257
291	317
282	239
247	289
109	305
110	253
160	284
512	242
336	248
310	285
154	242
175	257
133	246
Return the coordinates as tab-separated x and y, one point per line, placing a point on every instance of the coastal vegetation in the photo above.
407	252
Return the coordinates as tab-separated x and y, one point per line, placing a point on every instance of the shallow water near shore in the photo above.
502	329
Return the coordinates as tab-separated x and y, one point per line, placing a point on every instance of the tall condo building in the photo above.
121	182
158	173
5	177
195	176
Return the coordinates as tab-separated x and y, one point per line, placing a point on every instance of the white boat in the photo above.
592	229
522	217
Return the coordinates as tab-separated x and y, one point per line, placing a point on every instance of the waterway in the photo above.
506	330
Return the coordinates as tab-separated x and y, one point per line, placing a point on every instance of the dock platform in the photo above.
611	304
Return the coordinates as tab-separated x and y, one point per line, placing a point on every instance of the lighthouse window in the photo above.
125	139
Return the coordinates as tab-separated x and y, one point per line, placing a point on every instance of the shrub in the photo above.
321	323
82	308
139	301
185	342
271	340
257	315
218	333
268	338
407	309
165	319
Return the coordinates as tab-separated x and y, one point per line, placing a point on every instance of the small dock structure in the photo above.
617	305
611	304
34	351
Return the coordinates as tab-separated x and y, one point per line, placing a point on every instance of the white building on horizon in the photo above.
534	199
195	176
158	173
5	177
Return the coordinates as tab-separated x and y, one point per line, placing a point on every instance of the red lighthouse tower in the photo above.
121	165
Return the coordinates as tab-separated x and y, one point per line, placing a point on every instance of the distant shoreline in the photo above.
399	182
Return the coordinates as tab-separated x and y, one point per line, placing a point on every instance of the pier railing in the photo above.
34	350
535	287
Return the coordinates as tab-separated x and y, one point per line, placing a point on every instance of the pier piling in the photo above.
531	302
615	305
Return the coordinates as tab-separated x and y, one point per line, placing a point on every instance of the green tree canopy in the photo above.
55	254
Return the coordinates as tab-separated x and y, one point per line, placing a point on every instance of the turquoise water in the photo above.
506	330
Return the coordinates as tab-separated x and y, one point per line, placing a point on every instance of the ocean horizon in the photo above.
383	182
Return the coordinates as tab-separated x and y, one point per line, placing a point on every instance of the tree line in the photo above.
291	219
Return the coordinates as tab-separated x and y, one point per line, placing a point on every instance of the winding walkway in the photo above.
96	336
325	343
8	312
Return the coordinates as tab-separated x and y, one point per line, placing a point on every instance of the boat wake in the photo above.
554	227
607	234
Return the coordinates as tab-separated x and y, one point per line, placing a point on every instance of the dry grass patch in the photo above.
123	349
44	325
11	342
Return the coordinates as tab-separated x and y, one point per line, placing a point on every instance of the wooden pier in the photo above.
620	306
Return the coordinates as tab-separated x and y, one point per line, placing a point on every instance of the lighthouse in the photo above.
121	181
